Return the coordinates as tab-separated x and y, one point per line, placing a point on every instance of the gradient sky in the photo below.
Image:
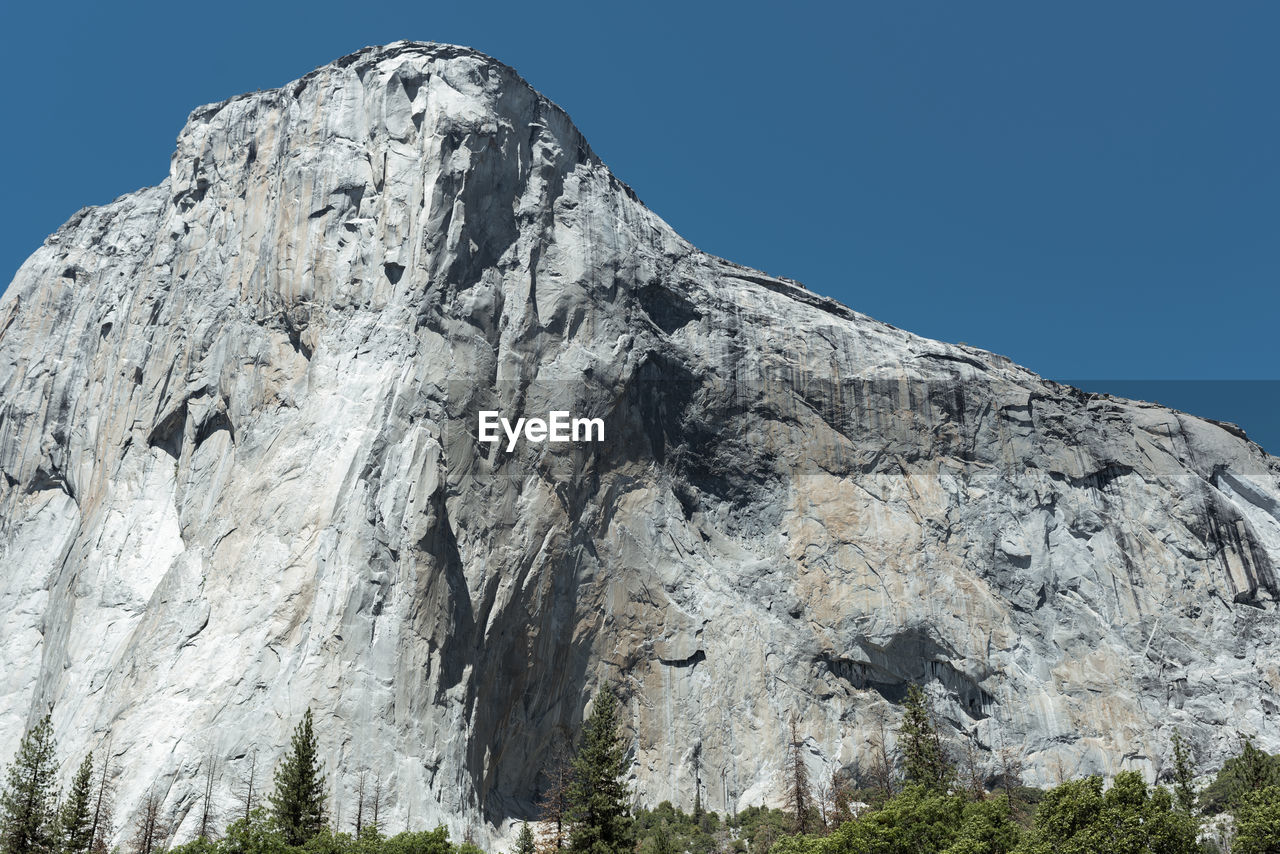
1092	189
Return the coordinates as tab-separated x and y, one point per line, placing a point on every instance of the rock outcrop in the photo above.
241	477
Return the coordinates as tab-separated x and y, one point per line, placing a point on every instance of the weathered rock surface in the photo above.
241	477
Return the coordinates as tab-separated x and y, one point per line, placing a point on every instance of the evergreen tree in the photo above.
926	762
76	817
28	804
298	800
1257	822
524	842
1184	792
1251	771
1079	816
598	809
662	841
924	821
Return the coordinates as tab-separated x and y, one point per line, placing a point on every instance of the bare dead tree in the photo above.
100	830
553	832
149	833
1010	762
822	792
799	796
882	776
247	789
841	797
360	803
377	800
1059	770
207	817
971	776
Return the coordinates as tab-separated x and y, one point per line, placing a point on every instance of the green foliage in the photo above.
422	842
1251	771
524	841
987	828
258	834
924	819
667	830
918	819
1184	792
925	760
1078	817
598	799
28	803
1022	802
261	834
298	801
759	826
199	845
75	819
662	841
325	841
1258	822
798	843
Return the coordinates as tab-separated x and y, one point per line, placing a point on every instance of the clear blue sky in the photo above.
1091	188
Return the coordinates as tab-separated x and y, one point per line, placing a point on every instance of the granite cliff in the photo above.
241	477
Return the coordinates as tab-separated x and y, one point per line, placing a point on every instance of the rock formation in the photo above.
241	477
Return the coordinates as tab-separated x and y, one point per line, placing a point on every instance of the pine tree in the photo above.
598	808
1257	769
298	800
76	817
524	841
662	840
926	763
28	804
1183	774
799	795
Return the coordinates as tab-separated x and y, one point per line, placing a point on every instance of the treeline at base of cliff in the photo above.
920	796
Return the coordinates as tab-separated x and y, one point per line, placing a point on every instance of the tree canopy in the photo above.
599	801
298	802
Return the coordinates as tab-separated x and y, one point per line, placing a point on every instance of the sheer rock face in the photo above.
241	477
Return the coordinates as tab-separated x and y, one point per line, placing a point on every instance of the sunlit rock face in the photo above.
241	478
